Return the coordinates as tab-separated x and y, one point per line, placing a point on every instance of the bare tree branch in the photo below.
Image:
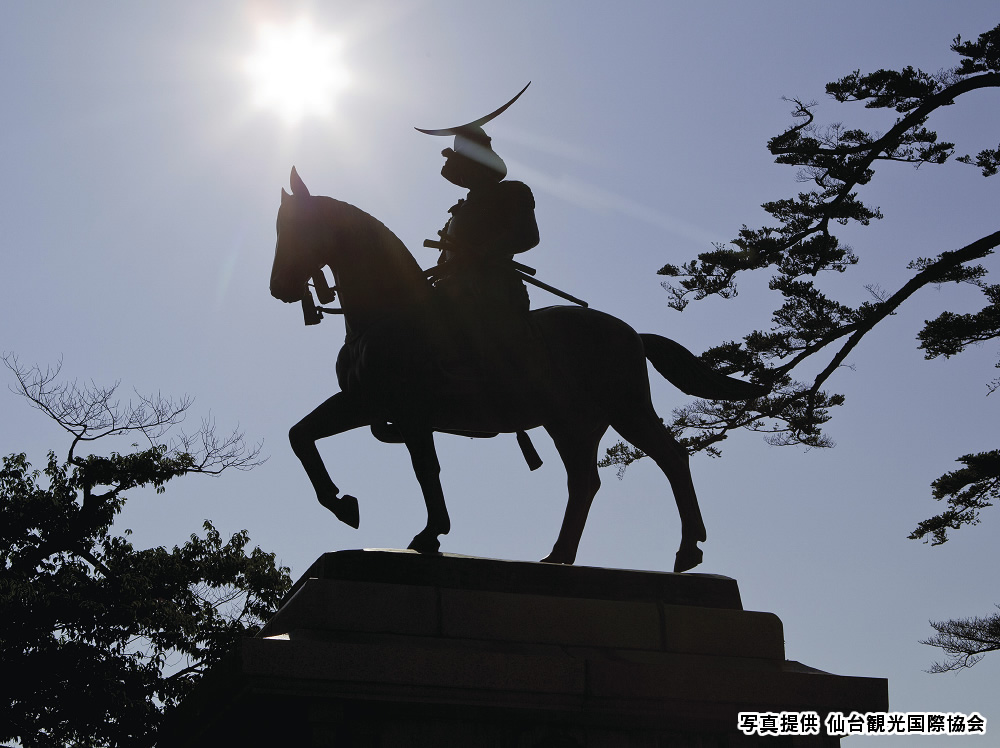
91	412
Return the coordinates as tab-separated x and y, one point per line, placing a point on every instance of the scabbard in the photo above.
524	272
551	289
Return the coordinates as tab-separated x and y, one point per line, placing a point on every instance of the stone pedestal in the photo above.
392	649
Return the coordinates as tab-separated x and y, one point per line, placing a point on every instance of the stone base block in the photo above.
393	649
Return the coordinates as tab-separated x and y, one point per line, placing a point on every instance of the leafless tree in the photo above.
90	412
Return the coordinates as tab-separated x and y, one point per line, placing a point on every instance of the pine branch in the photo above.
933	273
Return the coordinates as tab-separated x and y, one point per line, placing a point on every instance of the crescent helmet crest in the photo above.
472	142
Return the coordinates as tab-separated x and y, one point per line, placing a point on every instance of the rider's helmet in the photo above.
473	144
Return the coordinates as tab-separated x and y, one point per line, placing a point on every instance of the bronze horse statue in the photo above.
407	361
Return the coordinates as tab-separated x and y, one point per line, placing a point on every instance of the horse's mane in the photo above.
374	264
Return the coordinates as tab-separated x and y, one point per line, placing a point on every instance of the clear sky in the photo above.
142	171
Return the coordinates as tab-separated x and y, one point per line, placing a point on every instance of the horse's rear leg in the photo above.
648	433
420	443
338	414
579	454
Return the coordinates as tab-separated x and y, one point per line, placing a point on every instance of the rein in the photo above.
311	313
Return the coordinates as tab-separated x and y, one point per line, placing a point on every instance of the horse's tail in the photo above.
691	375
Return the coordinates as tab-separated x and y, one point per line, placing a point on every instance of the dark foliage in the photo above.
802	246
103	636
974	487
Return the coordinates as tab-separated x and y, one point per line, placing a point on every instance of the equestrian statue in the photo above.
456	349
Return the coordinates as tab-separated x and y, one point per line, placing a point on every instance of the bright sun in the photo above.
295	71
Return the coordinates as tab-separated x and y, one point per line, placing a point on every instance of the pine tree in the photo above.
814	332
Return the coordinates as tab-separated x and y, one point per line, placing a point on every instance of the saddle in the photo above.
469	342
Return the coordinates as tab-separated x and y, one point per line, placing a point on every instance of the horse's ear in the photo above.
299	188
284	196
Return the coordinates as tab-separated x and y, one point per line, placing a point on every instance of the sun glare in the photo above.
295	71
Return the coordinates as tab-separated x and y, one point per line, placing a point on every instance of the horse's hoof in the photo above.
344	508
348	511
558	558
687	558
425	544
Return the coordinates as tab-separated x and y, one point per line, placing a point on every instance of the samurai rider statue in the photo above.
476	281
476	274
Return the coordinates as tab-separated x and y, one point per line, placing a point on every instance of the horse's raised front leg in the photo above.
338	414
419	441
647	432
578	450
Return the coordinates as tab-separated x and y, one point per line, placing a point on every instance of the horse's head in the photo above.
296	252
